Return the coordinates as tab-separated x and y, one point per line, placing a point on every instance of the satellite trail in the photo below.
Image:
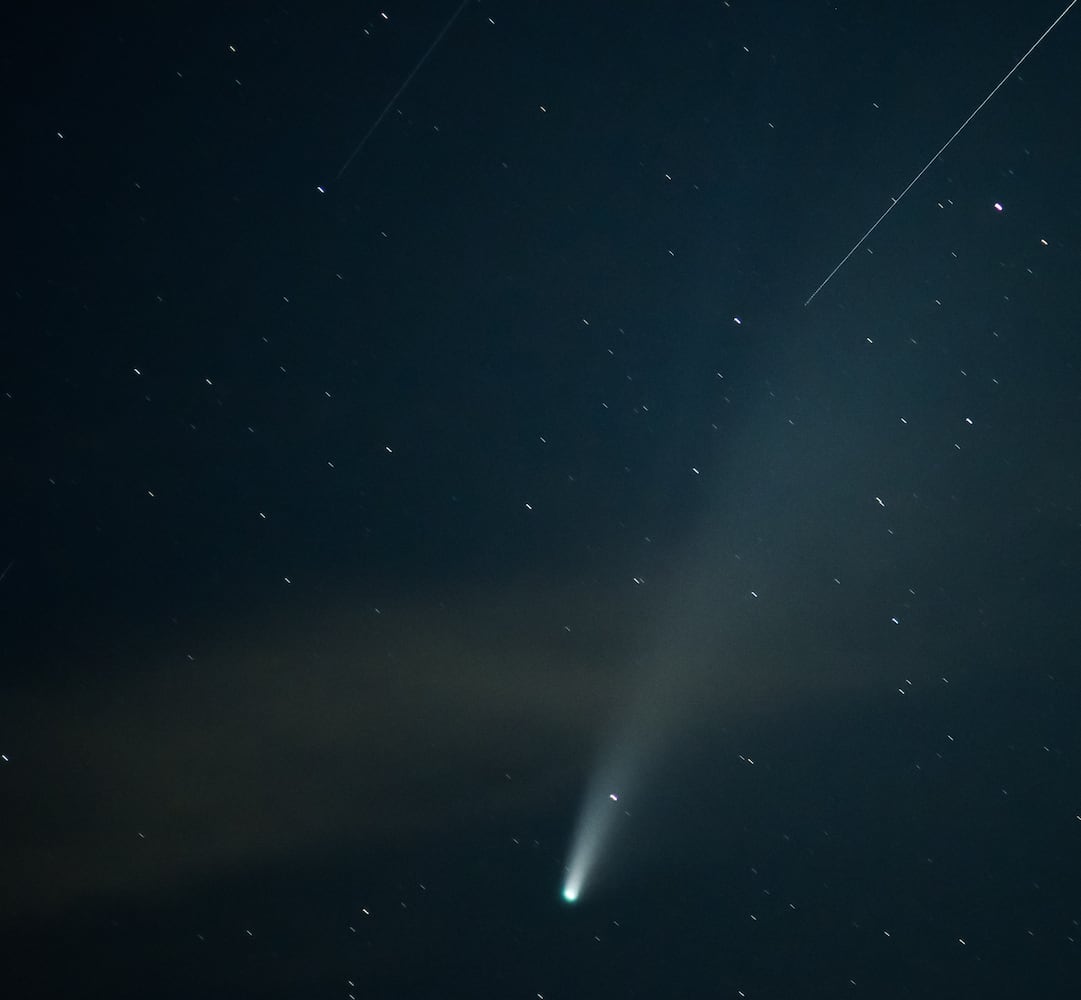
927	165
405	83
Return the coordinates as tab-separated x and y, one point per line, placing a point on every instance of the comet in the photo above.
630	755
599	815
616	775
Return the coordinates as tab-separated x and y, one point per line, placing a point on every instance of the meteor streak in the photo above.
979	107
401	90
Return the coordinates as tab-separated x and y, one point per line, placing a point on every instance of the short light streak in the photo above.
927	166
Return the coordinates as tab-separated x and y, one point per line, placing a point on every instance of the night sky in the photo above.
364	533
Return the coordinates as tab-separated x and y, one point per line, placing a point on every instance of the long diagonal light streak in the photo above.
927	165
401	90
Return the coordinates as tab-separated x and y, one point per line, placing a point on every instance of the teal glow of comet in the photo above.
600	810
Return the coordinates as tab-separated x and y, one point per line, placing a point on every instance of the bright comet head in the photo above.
599	812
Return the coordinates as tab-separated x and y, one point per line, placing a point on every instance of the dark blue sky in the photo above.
351	522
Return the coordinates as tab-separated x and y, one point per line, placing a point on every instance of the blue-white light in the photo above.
599	811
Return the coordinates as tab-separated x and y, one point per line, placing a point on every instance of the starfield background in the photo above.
345	516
